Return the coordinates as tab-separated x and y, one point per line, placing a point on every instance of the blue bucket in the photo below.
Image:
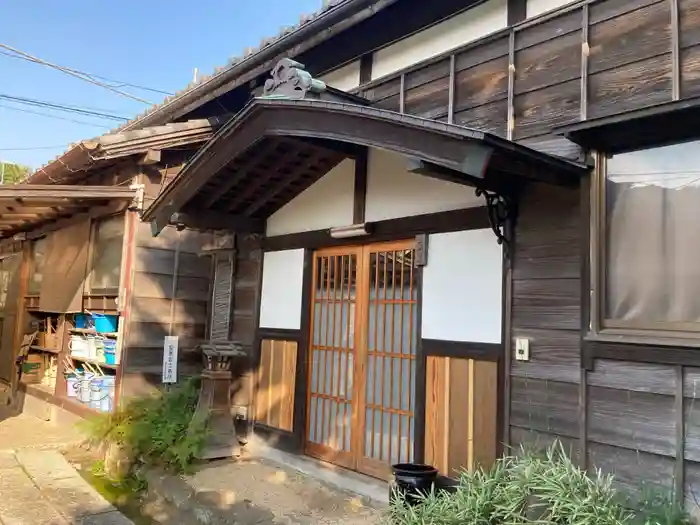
82	321
105	323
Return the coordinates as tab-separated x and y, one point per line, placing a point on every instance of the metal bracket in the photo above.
502	210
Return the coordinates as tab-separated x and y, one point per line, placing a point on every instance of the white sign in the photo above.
170	359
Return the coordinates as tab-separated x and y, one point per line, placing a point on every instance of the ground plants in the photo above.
545	488
155	430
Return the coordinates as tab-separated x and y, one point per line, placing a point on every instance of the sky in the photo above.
151	43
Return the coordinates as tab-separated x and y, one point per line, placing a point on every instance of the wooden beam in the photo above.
260	181
679	467
56	191
212	220
360	188
366	62
240	174
151	157
474	166
276	188
517	11
511	86
675	51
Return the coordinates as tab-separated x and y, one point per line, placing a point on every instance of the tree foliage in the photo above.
14	173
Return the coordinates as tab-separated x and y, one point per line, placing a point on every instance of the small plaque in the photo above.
170	350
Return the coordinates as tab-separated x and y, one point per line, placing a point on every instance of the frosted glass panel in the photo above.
392	340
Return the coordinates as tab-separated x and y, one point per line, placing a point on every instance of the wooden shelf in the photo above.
42	349
93	362
92	331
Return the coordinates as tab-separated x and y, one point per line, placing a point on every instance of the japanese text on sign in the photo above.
170	359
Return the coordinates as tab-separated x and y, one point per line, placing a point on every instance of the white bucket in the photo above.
78	346
84	388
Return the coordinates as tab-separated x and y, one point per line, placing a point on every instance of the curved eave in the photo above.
463	152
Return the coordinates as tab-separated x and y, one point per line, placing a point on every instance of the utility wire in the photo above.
36	148
72	73
116	83
48	115
60	107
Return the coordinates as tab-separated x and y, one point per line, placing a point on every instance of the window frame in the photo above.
600	327
90	289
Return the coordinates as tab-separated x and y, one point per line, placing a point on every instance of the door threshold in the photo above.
341	478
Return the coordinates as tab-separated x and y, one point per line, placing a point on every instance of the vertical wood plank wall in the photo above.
275	381
609	57
247	281
460	407
170	296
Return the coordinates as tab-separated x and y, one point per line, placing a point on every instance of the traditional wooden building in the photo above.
398	314
393	312
73	244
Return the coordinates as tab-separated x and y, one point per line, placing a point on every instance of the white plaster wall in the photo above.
462	287
393	192
325	204
537	7
345	78
280	304
465	27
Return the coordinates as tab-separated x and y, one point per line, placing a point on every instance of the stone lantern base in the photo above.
214	403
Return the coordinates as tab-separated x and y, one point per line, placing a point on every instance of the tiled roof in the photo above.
88	154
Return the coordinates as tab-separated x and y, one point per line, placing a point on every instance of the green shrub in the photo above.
533	488
157	429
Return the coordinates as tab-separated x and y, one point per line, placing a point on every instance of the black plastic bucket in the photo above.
411	480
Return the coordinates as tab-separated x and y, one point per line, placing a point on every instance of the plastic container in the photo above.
107	402
105	323
78	346
71	386
110	357
97	393
82	321
84	388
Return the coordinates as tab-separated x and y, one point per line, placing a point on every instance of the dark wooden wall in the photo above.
170	295
639	421
546	309
582	62
246	288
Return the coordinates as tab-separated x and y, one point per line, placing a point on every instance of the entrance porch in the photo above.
372	276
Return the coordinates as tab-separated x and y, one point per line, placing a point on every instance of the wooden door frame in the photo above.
356	459
345	460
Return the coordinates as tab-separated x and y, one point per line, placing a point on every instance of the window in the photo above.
649	271
36	268
107	255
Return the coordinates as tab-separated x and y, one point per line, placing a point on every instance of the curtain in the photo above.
653	235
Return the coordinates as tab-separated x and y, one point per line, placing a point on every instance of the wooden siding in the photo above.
170	296
606	57
638	421
461	400
275	380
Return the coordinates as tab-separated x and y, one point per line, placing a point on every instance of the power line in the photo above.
36	148
61	107
48	115
119	83
72	73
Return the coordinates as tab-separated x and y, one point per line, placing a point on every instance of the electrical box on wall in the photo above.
522	349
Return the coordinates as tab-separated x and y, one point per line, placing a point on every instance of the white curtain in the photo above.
653	235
